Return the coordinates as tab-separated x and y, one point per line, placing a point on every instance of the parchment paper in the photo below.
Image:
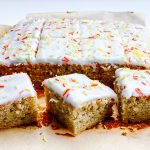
132	17
4	29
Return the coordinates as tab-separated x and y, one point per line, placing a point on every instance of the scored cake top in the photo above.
133	82
15	87
78	89
74	41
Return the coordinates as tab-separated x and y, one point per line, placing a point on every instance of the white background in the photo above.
12	11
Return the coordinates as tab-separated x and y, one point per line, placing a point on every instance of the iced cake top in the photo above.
133	82
136	43
15	87
21	43
78	89
75	41
80	51
74	28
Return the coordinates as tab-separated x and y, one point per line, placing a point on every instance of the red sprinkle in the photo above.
134	39
25	38
123	87
7	57
2	86
71	33
5	47
14	55
139	91
74	40
94	84
36	28
143	83
73	80
135	77
65	59
66	92
91	37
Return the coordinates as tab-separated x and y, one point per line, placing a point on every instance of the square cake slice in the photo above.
77	101
18	101
133	89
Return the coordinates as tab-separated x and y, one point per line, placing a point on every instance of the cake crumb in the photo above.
124	134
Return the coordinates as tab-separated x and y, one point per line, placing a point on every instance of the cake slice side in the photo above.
133	90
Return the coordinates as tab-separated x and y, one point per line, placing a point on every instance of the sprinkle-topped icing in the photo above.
61	28
21	43
98	29
136	43
80	51
78	89
76	41
133	82
15	87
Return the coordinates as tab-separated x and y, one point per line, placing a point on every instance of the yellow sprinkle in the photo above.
44	139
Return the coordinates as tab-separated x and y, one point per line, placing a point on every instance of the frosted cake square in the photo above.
18	102
133	89
77	101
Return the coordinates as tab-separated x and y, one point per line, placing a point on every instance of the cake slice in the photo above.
133	89
18	101
77	101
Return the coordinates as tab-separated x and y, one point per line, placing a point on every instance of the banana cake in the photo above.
78	102
44	48
18	102
133	89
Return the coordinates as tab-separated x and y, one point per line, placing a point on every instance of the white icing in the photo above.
98	29
78	89
21	43
136	42
51	50
80	51
75	41
61	28
107	51
61	50
137	54
15	87
133	82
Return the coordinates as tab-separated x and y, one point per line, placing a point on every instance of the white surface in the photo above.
12	11
78	89
19	45
92	43
15	87
133	82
